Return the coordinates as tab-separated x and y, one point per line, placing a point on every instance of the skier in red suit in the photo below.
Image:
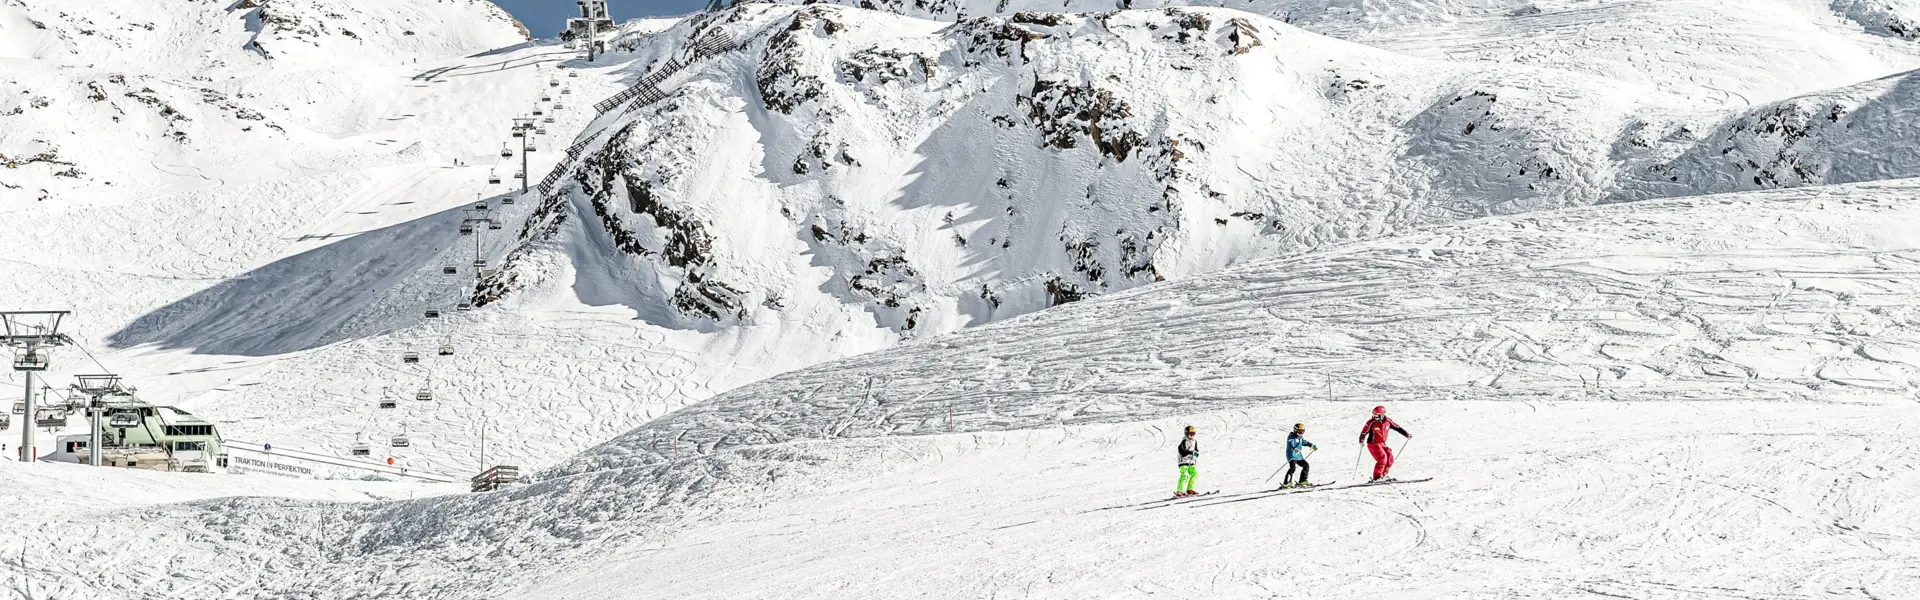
1374	435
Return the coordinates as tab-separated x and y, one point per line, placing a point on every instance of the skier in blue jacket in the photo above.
1295	442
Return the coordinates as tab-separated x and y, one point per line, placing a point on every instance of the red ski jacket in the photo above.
1375	430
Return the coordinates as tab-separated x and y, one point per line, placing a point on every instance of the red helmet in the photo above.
1379	410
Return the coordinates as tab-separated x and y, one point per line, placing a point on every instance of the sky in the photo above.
547	17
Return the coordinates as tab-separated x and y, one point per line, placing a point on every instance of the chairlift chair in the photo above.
449	270
559	106
573	73
6	421
566	90
543	130
424	395
519	133
19	408
493	179
446	350
123	419
507	201
410	357
47	417
506	152
31	360
401	441
532	148
480	263
553	83
546	98
547	120
466	229
493	224
360	449
388	403
537	112
433	313
481	205
519	174
465	306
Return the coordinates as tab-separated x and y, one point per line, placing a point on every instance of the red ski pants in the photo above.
1382	459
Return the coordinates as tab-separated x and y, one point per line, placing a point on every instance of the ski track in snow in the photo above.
1693	398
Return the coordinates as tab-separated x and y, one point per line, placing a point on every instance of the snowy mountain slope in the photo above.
938	176
174	99
1710	380
1699	53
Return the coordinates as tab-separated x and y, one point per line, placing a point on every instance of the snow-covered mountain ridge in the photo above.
938	175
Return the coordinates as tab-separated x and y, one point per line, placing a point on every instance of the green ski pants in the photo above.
1188	473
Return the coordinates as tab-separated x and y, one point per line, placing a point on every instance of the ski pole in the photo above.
1356	459
1283	467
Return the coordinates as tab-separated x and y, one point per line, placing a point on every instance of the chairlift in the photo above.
493	224
573	73
481	205
360	449
424	395
519	174
465	306
449	270
508	201
543	130
123	419
466	229
19	408
553	83
410	357
566	90
388	403
401	441
532	148
559	106
506	152
546	120
446	350
31	360
537	112
47	417
433	313
546	98
480	263
6	421
493	179
519	133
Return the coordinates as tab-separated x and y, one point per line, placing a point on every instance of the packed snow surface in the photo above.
1633	400
1046	240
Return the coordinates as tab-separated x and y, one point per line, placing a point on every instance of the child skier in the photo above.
1374	435
1189	459
1296	441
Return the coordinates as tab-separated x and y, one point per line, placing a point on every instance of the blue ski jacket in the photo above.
1295	442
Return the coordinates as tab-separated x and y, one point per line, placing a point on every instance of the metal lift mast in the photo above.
36	333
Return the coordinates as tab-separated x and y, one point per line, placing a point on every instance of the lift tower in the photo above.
523	127
97	388
593	18
34	334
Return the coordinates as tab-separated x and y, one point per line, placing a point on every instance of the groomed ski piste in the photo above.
914	300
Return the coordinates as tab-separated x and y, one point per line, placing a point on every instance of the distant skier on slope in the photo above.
1189	461
1374	435
1296	441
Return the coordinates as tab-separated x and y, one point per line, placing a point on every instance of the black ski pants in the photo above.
1302	464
